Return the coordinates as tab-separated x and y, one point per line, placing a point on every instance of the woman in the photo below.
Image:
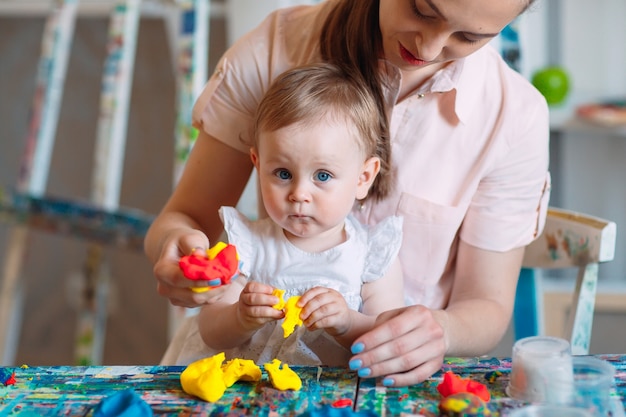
469	140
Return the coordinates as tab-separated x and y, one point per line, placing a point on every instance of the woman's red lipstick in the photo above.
409	58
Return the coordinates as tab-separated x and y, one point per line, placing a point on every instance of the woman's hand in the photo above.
406	346
171	282
190	218
255	307
324	308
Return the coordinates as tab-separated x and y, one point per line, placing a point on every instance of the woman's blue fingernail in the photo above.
357	347
388	382
355	364
214	282
363	372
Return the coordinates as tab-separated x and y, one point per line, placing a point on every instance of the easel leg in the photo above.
92	314
12	295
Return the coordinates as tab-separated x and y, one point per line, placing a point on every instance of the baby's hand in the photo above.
255	306
324	308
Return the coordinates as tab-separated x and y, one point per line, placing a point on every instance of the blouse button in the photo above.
421	95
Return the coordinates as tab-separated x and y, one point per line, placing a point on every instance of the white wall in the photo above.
594	51
244	15
587	38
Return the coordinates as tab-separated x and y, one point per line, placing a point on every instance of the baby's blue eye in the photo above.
323	176
283	174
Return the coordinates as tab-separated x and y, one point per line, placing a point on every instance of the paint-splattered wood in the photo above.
494	372
125	227
76	391
64	391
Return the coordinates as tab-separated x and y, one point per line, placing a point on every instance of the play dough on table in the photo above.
208	378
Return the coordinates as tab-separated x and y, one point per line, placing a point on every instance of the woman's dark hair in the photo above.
351	39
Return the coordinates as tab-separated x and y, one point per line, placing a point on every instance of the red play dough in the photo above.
453	384
223	267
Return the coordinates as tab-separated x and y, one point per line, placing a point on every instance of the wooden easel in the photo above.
56	42
107	174
101	222
191	69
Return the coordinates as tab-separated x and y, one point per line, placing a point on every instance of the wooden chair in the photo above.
569	240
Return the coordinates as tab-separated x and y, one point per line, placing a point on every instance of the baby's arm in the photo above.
244	309
326	309
386	293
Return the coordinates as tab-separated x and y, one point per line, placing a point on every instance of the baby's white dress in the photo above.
267	256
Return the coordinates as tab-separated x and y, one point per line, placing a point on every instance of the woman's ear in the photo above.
371	167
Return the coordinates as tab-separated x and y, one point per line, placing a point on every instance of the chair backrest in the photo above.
569	240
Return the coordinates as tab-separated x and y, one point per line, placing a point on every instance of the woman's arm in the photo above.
408	344
483	292
215	175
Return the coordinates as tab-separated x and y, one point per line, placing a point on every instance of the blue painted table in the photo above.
76	391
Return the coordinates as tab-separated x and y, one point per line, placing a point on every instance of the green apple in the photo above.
553	83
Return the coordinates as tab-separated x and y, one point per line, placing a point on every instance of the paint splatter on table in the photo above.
423	399
76	391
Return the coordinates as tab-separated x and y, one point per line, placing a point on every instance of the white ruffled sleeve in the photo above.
383	245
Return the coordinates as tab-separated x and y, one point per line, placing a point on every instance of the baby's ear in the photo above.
371	167
254	156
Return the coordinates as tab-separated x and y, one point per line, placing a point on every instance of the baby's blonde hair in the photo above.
321	92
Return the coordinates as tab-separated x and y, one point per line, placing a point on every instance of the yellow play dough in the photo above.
282	378
292	311
204	378
281	301
292	316
240	370
208	378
